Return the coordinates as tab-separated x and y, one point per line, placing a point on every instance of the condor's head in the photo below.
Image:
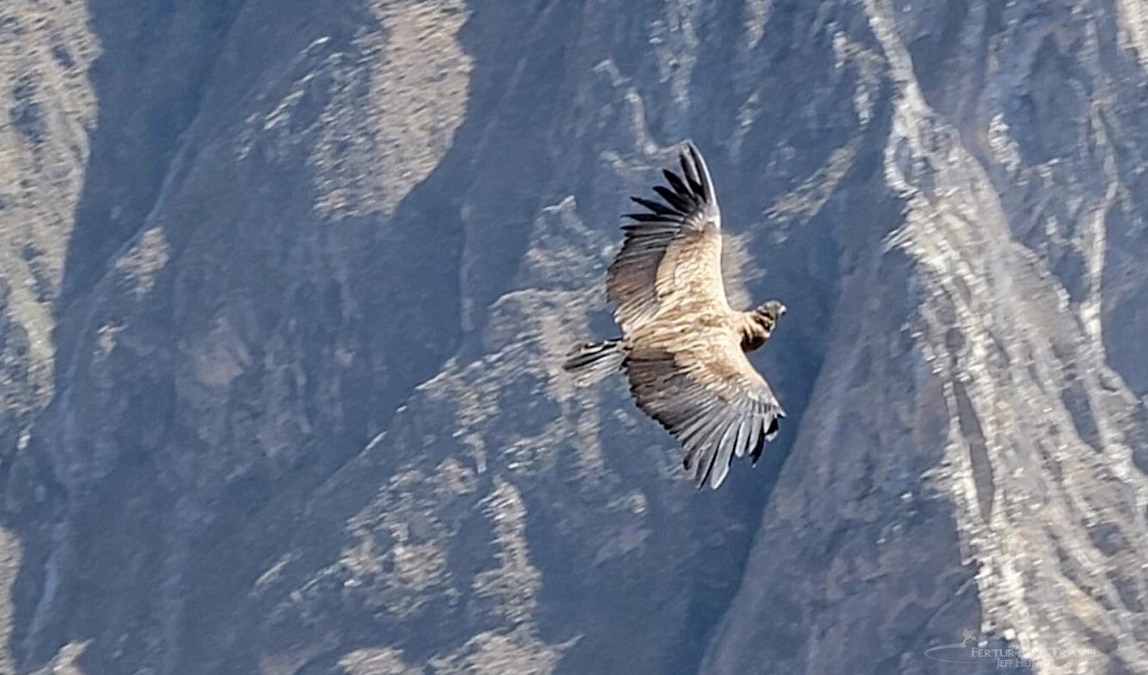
763	320
770	311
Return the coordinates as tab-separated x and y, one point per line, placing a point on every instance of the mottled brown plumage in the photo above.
683	347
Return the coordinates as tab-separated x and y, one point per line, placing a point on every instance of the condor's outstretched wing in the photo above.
671	256
707	394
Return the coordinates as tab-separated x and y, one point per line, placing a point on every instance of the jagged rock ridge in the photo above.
285	289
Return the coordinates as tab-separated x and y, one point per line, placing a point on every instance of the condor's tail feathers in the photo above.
589	362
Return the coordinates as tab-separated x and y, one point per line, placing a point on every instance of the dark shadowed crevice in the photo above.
978	451
933	45
508	129
155	59
1075	400
1122	288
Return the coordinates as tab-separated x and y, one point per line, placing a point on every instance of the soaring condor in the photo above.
683	348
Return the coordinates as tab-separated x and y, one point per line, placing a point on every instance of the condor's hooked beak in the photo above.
774	309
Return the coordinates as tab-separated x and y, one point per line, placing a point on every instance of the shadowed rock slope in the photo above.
285	288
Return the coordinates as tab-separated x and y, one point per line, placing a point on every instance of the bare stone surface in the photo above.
285	286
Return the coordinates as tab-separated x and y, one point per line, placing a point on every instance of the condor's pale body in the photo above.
682	346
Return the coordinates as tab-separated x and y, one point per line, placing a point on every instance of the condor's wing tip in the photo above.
697	172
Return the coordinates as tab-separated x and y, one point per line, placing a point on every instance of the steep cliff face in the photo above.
286	285
984	376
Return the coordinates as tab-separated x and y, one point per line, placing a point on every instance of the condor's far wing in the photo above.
708	395
671	255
